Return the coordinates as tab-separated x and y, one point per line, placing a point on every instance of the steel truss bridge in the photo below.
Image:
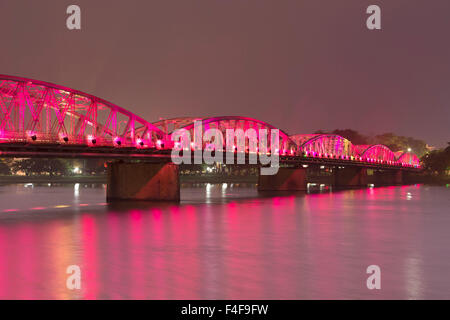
40	119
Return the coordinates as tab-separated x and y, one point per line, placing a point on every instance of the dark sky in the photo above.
299	65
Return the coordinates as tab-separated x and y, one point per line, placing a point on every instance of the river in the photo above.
225	241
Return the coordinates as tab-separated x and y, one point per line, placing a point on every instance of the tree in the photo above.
40	166
4	168
354	136
392	141
437	161
401	143
94	166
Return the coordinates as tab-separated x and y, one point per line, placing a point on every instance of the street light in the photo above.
409	150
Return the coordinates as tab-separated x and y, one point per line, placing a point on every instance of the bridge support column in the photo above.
143	181
287	179
389	177
409	177
398	177
350	177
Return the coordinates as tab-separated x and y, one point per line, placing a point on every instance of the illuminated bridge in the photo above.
40	119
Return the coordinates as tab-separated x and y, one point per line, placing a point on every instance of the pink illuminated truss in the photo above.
223	123
325	145
38	112
409	158
376	153
335	146
41	112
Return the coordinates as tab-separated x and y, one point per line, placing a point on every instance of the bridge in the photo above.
41	119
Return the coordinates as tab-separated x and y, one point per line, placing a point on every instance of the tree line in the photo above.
392	141
437	162
50	167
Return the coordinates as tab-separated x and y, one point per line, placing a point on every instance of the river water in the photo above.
225	241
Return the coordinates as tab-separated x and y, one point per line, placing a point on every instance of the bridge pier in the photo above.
350	177
398	177
389	177
286	179
143	181
409	177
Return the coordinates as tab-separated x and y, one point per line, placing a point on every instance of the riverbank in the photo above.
103	179
218	179
54	179
434	180
430	180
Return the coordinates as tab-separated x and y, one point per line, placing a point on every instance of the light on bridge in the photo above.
32	135
140	142
117	141
64	137
91	140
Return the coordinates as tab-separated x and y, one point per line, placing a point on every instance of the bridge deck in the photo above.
27	150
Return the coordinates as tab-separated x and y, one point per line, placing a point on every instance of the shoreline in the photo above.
102	179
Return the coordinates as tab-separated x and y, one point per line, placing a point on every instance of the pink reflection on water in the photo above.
136	231
10	210
301	246
27	256
90	270
116	230
155	256
4	254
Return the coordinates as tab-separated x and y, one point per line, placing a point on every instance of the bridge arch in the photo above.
409	158
41	112
377	152
223	123
328	145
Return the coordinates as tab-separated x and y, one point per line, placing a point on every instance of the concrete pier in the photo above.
143	181
287	179
350	177
389	177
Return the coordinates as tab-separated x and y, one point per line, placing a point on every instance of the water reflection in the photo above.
224	241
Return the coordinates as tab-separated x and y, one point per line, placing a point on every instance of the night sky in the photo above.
299	65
